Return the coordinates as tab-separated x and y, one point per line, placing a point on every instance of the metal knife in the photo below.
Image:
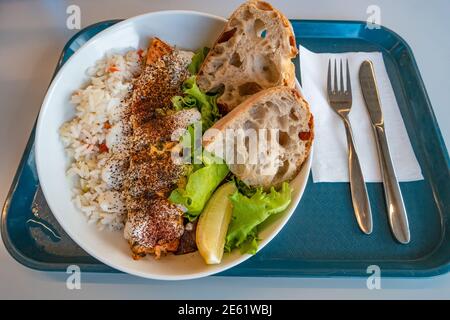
398	219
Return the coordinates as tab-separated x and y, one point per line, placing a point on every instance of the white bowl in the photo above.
187	30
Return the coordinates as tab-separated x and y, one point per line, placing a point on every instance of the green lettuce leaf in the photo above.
206	104
197	60
249	212
180	102
207	171
193	97
191	141
200	186
243	188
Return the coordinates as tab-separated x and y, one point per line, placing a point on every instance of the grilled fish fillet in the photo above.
154	225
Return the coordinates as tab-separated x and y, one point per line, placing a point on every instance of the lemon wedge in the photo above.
213	224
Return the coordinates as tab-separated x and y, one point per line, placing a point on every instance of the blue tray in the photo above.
322	238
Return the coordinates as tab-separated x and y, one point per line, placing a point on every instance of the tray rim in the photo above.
99	267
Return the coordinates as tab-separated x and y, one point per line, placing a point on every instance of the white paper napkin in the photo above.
330	145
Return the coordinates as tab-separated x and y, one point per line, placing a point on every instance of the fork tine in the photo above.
349	85
341	78
335	77
329	78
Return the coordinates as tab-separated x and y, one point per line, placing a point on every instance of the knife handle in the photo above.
358	189
398	219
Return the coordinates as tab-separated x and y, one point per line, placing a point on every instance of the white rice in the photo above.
98	106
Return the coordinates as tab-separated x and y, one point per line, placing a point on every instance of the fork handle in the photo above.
358	189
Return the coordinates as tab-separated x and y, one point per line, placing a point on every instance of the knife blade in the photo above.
398	219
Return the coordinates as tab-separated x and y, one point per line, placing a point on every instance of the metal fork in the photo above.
341	102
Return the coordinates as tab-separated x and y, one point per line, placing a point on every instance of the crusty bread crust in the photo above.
280	108
253	53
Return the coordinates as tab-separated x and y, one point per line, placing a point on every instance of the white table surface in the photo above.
32	34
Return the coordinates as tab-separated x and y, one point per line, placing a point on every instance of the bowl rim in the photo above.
39	162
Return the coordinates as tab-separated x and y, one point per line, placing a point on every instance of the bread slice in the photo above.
253	52
284	130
